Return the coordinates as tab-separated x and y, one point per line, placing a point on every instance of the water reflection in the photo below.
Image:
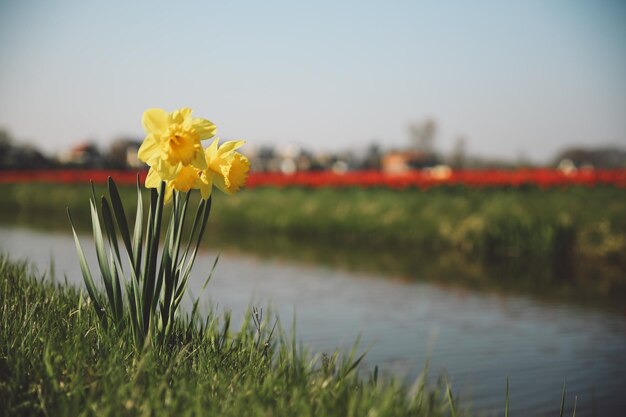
574	281
476	338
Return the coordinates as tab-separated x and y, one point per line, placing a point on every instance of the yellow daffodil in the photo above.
187	178
226	169
173	141
175	155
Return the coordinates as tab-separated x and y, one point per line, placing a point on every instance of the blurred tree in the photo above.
123	153
19	156
601	157
5	141
422	135
5	147
459	153
373	157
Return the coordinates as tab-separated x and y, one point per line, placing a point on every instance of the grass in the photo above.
57	359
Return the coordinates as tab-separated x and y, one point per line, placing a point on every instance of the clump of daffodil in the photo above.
148	298
175	155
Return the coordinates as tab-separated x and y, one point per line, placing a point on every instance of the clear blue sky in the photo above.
512	77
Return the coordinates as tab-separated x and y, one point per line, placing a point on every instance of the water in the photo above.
475	338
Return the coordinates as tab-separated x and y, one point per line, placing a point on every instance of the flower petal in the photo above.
199	161
203	128
206	187
155	121
220	182
168	193
185	113
230	146
235	172
238	173
211	151
186	179
166	170
153	180
181	116
182	149
149	150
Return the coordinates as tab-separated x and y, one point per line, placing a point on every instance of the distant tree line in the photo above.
122	154
419	154
20	156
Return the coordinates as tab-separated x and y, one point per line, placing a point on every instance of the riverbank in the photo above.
557	224
493	221
566	244
56	359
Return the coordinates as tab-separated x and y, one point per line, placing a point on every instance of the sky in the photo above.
513	78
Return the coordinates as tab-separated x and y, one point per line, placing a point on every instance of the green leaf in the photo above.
109	228
84	268
205	217
196	222
180	218
101	255
117	292
134	301
120	216
154	230
138	233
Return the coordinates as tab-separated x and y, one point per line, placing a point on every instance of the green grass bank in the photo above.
489	222
56	360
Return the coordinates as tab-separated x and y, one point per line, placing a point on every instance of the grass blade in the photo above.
450	400
208	278
354	365
506	405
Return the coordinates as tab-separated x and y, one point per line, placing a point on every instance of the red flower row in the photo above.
428	179
415	179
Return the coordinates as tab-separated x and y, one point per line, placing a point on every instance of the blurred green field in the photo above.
562	223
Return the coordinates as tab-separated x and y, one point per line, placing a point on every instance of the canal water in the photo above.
475	338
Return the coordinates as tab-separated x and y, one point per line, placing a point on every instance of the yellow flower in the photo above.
226	169
186	179
173	141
